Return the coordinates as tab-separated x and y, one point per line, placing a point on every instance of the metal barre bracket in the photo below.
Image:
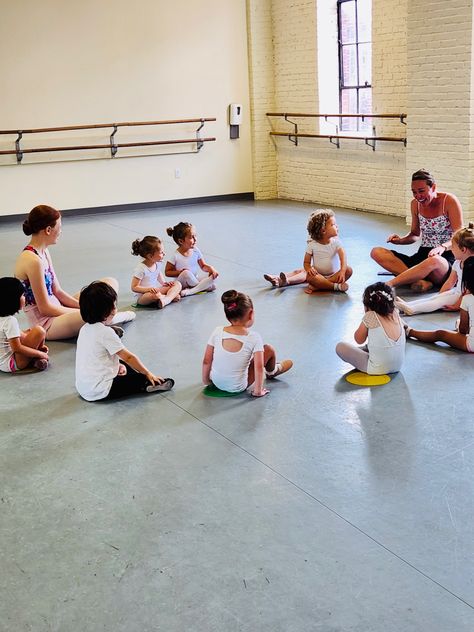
292	138
113	146
336	142
199	143
19	153
368	140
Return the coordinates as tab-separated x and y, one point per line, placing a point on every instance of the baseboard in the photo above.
138	206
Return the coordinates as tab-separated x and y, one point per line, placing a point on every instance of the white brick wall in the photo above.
421	66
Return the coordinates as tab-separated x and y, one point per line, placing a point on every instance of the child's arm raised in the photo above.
258	390
207	268
132	360
207	364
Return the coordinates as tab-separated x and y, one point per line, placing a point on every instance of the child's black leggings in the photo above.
129	384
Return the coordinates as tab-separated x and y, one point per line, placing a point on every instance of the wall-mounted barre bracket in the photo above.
199	143
19	153
293	138
113	146
402	119
336	142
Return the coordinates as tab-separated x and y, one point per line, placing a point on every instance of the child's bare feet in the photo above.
41	364
177	298
421	286
309	290
271	278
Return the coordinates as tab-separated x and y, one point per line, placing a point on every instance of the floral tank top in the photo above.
48	281
435	230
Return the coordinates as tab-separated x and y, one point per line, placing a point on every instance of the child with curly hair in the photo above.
325	265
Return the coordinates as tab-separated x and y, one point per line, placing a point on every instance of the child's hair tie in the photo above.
231	305
388	296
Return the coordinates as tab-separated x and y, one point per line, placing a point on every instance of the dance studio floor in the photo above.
323	506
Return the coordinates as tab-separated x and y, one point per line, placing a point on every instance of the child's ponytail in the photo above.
236	304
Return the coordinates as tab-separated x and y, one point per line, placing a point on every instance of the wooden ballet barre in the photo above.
69	128
369	140
36	150
402	117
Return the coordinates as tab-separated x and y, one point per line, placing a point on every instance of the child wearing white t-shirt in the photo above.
148	283
235	357
463	338
325	266
187	263
18	349
105	369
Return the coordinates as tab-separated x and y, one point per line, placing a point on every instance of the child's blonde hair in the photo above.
464	237
317	222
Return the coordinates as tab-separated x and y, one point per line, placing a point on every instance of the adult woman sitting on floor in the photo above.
47	304
435	216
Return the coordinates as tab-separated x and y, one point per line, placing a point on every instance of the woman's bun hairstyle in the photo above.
426	176
39	218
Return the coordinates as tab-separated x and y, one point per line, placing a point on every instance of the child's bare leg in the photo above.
33	338
353	355
452	338
293	278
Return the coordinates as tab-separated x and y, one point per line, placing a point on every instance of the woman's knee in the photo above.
378	253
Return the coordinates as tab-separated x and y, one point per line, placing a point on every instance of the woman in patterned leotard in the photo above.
435	216
47	304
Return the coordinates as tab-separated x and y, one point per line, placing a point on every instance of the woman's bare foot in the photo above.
421	286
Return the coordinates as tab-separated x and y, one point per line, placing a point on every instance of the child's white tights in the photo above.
357	356
429	303
192	285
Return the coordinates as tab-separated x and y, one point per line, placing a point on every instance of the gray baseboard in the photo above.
138	206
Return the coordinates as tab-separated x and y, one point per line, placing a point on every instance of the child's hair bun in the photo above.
471	225
136	247
229	297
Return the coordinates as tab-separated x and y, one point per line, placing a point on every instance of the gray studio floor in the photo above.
323	506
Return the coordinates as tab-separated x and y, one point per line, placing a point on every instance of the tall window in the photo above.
354	22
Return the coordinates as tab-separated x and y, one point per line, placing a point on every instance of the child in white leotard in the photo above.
148	283
463	338
187	263
382	328
235	357
18	349
450	294
325	266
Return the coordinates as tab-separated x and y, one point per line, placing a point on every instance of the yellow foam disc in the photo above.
363	379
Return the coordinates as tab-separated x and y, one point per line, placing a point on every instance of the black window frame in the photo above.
358	86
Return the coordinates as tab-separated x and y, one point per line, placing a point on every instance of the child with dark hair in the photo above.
463	338
236	357
187	263
148	283
18	349
382	328
105	369
325	265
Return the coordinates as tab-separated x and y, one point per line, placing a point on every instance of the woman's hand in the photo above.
260	393
437	251
393	239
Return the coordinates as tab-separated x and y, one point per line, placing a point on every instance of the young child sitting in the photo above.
187	263
105	369
325	266
463	338
18	349
148	283
236	357
382	328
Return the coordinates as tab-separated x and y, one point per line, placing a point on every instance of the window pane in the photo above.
348	22
349	106
365	64
349	65
364	20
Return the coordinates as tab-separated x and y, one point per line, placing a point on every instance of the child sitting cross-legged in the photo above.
105	369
